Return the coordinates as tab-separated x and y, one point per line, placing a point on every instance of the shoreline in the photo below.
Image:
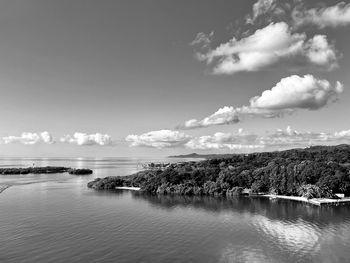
313	201
121	183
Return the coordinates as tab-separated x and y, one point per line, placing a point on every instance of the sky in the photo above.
136	78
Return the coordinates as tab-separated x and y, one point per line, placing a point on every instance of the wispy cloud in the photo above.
290	94
266	47
202	40
225	115
332	16
30	138
261	7
82	139
158	139
297	14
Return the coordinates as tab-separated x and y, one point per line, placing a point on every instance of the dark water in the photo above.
55	218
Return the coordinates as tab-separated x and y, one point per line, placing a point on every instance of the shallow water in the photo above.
56	218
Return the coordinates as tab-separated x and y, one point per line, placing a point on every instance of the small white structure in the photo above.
340	195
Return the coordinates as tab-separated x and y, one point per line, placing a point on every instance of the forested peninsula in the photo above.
314	172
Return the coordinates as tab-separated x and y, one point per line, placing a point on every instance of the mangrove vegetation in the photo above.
319	171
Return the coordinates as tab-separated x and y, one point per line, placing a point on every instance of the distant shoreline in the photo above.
44	170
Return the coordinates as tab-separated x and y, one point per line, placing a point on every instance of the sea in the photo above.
56	218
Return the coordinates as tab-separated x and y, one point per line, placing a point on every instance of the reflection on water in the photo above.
56	218
275	228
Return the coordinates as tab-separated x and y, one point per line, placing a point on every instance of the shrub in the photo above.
309	191
234	191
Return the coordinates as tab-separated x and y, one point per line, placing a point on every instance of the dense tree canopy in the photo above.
318	171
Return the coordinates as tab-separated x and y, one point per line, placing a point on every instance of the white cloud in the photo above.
320	52
29	138
80	138
158	139
280	139
296	92
231	115
225	115
297	14
290	94
46	137
342	134
268	46
290	138
332	16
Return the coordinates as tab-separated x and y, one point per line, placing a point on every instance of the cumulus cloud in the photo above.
280	139
46	137
80	138
158	139
291	93
320	52
268	46
332	16
30	138
225	115
297	92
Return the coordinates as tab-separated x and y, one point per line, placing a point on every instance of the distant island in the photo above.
44	170
41	170
315	172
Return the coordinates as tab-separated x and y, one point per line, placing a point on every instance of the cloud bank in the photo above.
280	139
239	141
228	141
291	93
82	139
158	139
30	138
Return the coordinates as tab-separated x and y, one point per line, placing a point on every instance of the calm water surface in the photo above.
56	218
